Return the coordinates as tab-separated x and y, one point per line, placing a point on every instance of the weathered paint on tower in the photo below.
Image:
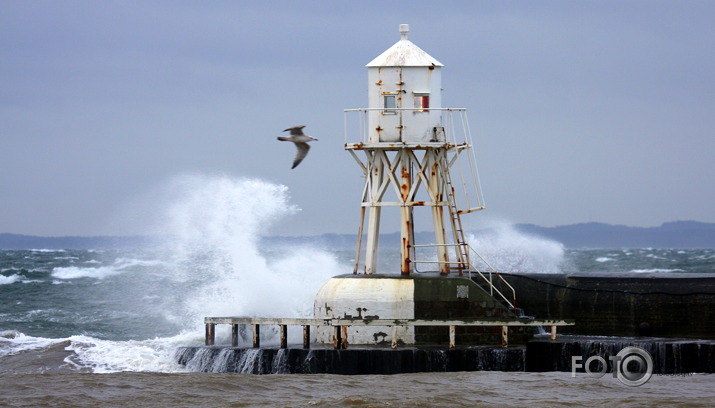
411	144
404	82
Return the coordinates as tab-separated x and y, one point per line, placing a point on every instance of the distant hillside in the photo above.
17	241
679	234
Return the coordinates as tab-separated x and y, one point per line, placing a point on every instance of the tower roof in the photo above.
404	54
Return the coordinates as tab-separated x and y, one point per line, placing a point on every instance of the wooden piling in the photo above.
338	338
210	334
344	343
284	335
256	335
234	335
306	336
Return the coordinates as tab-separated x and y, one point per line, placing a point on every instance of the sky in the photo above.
580	111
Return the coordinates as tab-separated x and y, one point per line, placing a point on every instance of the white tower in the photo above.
411	145
403	83
414	155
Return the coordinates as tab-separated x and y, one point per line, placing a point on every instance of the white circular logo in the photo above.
634	366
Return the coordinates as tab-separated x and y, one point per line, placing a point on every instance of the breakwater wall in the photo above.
670	356
362	360
675	305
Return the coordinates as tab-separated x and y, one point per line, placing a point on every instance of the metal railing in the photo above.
356	120
467	265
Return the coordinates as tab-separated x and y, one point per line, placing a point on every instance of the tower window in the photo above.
421	102
389	103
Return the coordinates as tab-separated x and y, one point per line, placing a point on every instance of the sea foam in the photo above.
508	250
6	280
120	265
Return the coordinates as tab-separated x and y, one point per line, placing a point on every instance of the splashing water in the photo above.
509	250
215	225
211	264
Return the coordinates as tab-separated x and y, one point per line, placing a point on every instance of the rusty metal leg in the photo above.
359	239
284	336
210	334
505	336
452	335
256	335
553	332
306	336
234	335
394	337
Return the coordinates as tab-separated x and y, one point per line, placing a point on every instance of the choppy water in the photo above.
473	389
91	327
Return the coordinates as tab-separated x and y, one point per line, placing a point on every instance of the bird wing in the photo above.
296	130
302	152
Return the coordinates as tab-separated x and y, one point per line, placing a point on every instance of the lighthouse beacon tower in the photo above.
415	155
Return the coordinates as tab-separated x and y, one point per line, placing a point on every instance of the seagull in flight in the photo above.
301	142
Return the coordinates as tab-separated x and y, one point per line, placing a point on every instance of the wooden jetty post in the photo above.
234	335
284	335
256	335
210	334
306	336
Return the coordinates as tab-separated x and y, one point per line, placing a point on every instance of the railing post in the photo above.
284	336
256	335
344	344
234	335
306	336
337	339
210	334
505	336
452	332
394	337
553	332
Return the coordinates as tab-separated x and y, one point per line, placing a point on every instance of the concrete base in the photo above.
363	360
423	296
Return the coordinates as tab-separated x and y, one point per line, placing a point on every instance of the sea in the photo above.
100	327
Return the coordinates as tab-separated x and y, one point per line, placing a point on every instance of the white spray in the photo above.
216	267
215	224
509	250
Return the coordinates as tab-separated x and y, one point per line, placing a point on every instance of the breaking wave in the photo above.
509	250
210	263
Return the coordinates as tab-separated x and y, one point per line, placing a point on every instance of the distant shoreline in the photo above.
677	234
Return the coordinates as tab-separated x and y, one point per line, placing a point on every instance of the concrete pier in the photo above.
670	356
